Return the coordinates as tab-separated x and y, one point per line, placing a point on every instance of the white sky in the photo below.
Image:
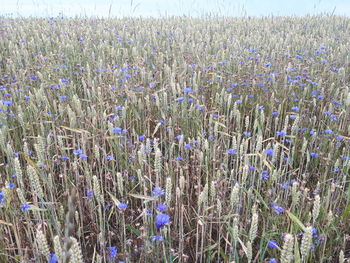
171	7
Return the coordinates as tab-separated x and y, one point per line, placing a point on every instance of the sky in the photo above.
162	8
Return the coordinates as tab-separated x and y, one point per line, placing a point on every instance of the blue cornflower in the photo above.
265	175
246	133
117	130
232	151
272	260
333	117
273	244
89	193
239	101
122	206
157	238
112	251
11	185
279	209
314	155
180	99
77	152
345	158
188	146
336	103
179	137
109	158
179	158
188	90
162	220
162	207
251	168
328	131
53	258
157	191
274	114
281	133
62	97
269	152
2	198
142	137
25	207
64	158
64	81
295	108
7	102
83	156
339	137
261	108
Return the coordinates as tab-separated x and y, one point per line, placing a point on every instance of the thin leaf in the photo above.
74	130
296	220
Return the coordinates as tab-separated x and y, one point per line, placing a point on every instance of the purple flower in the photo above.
53	258
64	158
281	133
6	102
269	152
328	131
272	260
295	108
314	155
179	137
232	151
117	130
25	207
112	251
157	191
157	238
89	193
83	156
278	209
188	90
179	158
77	152
273	244
162	207
11	185
162	220
265	175
246	133
2	198
109	158
122	206
188	146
